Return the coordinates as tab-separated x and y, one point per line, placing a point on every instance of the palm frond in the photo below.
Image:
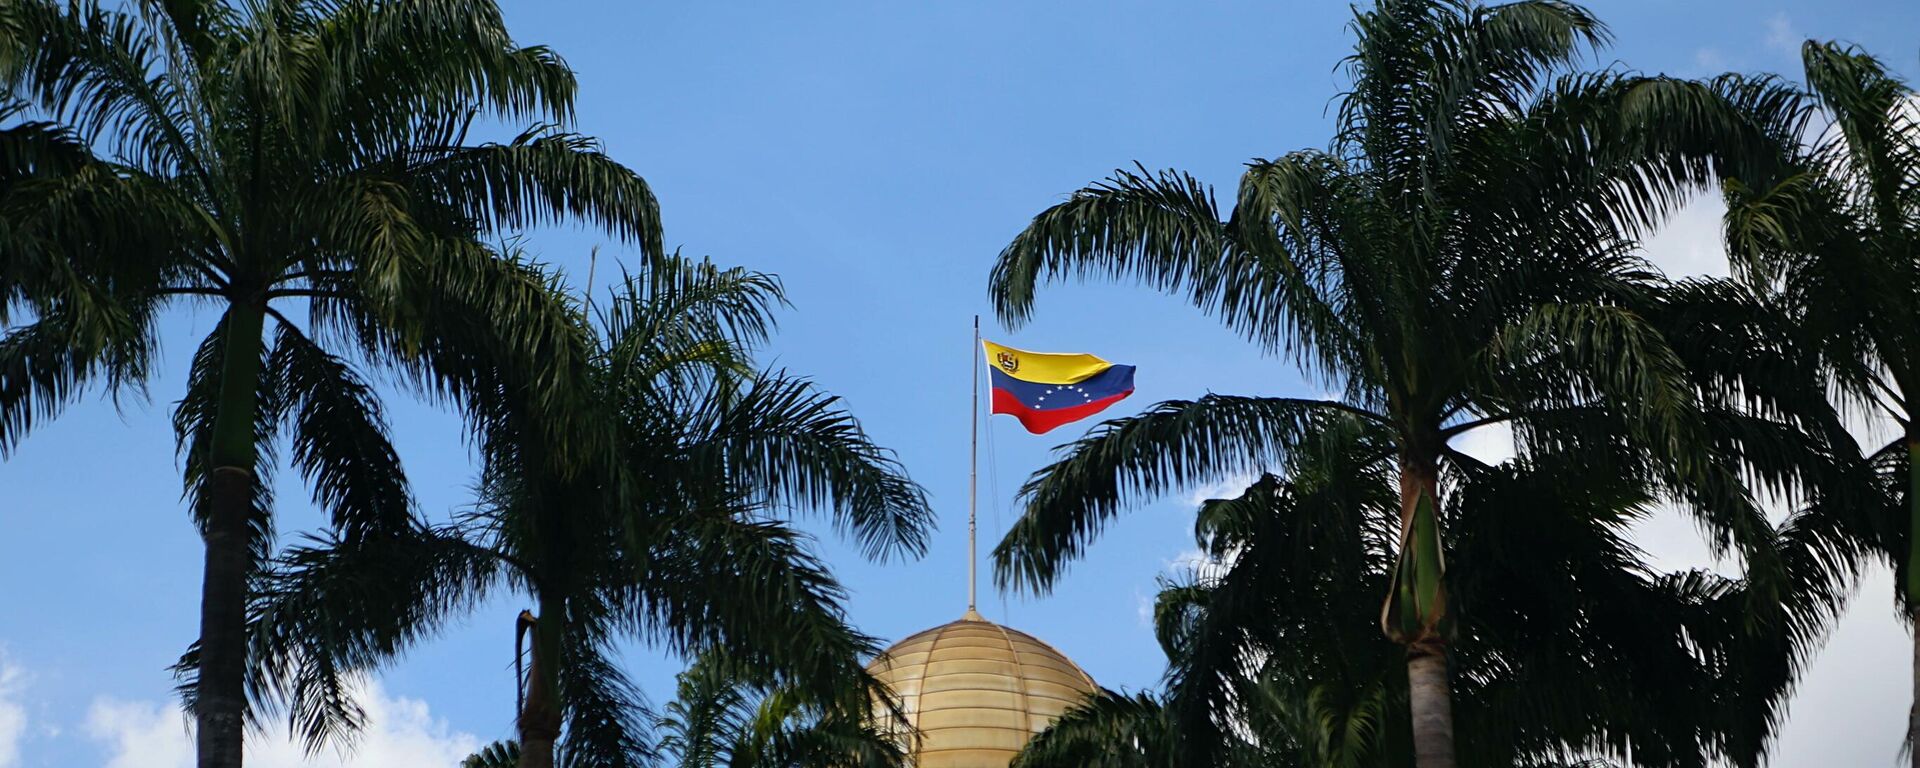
1174	444
542	176
340	440
46	365
606	715
681	325
1162	229
783	442
755	589
96	70
1109	731
499	754
381	60
708	714
335	608
829	740
721	718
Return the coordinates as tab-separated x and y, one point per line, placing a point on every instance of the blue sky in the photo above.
876	156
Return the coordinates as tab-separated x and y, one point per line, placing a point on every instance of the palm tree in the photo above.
1835	234
719	720
1114	730
258	158
500	754
1462	257
1564	631
663	520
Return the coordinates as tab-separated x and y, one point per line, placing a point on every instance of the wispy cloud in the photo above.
1782	36
1196	563
1225	489
13	714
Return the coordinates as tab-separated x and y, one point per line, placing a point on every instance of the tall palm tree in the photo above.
1564	629
1462	257
264	158
1836	235
664	520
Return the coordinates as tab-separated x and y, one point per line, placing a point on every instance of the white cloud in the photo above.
1229	488
1782	36
13	715
1492	443
1194	562
141	734
400	733
1851	706
1188	564
1673	541
1692	243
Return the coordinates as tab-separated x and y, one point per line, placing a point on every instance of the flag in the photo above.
1047	389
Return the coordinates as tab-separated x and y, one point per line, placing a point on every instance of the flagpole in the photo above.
973	470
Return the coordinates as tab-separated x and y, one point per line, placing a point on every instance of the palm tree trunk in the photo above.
1430	694
1913	711
220	695
540	717
1912	587
1431	699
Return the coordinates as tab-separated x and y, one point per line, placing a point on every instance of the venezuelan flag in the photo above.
1047	389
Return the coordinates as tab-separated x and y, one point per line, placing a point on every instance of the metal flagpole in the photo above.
973	471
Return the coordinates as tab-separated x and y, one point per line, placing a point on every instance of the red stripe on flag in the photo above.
1038	421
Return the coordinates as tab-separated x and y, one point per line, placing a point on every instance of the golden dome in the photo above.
977	691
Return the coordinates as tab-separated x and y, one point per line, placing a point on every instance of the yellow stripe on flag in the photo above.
1043	367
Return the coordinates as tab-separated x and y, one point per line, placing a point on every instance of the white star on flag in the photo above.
1082	391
